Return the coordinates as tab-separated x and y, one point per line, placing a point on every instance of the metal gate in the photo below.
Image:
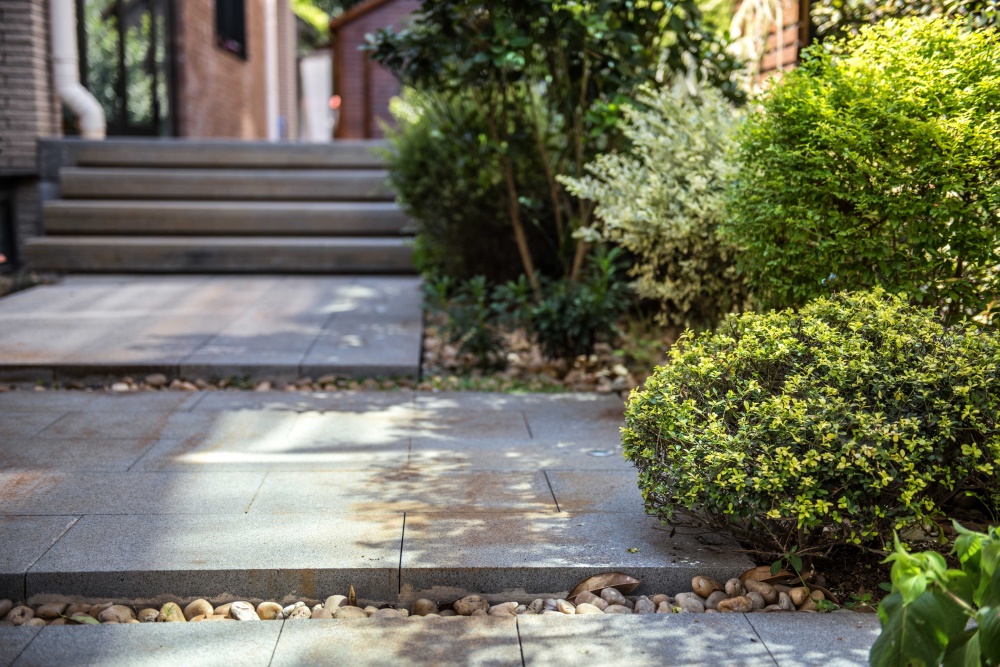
126	62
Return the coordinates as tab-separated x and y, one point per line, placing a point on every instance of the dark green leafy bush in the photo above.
447	180
877	162
473	319
855	417
572	315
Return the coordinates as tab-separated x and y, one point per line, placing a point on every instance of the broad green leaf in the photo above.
988	619
964	651
916	634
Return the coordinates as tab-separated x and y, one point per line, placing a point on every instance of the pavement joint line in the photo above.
399	570
323	329
203	395
50	425
276	642
761	639
551	490
259	487
524	416
520	644
409	452
228	322
25	648
24	593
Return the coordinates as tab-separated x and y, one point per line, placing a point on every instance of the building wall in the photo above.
219	93
27	103
364	87
28	107
782	48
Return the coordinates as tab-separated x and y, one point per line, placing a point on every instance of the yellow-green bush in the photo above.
856	416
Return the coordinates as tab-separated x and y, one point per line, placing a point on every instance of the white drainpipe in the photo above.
66	70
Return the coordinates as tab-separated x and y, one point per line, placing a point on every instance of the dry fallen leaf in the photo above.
763	574
623	582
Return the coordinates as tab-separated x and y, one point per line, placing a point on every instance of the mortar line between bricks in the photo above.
276	641
551	490
259	487
42	555
761	639
399	570
520	644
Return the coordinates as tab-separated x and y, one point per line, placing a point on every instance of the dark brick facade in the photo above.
365	88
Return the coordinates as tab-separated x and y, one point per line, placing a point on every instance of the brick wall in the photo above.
364	87
219	93
783	43
28	107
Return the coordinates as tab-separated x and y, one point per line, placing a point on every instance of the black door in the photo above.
126	61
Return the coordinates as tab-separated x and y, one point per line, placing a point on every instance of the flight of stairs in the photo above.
187	206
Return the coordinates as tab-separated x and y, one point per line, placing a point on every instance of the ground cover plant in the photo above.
857	416
874	163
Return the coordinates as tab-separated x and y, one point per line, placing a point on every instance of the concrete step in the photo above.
225	184
213	254
220	153
224	218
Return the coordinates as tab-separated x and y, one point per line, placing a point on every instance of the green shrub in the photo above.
445	177
877	163
662	202
925	620
571	316
473	319
855	417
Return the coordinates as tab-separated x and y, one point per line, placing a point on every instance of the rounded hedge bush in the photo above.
876	161
856	416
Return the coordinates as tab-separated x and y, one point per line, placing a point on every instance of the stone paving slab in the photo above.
533	554
25	539
36	493
212	327
521	455
243	556
403	491
841	639
13	641
90	455
596	491
479	642
153	645
686	640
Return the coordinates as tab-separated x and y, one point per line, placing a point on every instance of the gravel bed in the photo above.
707	596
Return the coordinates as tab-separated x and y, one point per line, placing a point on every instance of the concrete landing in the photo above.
270	494
212	327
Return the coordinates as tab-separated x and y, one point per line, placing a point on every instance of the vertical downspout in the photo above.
66	70
271	68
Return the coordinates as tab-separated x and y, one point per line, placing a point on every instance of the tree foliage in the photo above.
840	18
877	163
571	63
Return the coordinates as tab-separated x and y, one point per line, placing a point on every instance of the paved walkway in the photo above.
211	327
174	495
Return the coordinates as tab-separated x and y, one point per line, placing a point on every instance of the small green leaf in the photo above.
85	619
775	566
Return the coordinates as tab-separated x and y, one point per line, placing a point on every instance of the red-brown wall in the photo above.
364	87
219	93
